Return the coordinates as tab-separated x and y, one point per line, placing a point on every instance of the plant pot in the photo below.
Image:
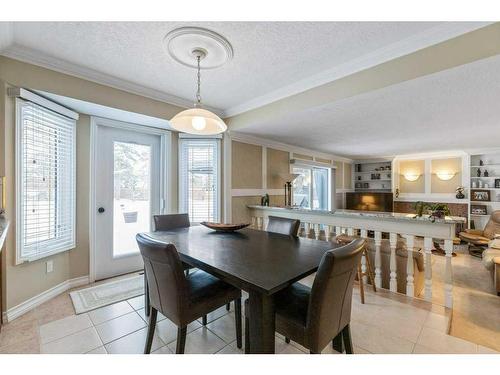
130	217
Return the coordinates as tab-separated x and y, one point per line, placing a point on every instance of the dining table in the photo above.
258	262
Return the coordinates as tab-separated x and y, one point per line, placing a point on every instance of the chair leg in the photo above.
346	335
337	343
237	317
181	340
147	306
151	330
247	335
313	352
186	272
287	340
228	306
361	286
204	320
369	269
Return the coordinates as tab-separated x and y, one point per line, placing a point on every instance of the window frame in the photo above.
21	257
311	168
218	180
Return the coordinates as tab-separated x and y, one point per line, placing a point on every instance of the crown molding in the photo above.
403	47
21	53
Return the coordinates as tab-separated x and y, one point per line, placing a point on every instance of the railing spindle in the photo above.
428	268
378	259
448	274
410	287
393	283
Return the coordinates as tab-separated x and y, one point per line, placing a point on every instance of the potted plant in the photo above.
438	210
419	208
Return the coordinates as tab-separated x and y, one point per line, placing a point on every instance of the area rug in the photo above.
106	294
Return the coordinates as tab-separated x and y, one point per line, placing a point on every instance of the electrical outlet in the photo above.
50	266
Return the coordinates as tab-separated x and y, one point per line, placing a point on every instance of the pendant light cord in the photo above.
198	92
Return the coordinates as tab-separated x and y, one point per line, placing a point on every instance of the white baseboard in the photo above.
37	300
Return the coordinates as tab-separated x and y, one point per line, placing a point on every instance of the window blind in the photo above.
199	179
45	181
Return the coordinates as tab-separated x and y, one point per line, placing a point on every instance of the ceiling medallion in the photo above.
180	44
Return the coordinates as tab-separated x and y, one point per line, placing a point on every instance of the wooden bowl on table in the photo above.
220	227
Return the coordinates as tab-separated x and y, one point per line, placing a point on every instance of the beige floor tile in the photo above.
216	314
231	349
30	346
76	343
133	343
64	327
484	350
437	321
167	331
420	349
99	350
163	350
106	313
14	333
142	314
119	327
358	350
444	343
225	327
376	340
57	308
137	302
201	341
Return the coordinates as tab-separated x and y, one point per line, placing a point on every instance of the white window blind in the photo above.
45	181
199	179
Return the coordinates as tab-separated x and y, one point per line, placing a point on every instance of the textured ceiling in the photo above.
455	109
267	55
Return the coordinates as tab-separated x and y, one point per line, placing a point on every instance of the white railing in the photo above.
324	225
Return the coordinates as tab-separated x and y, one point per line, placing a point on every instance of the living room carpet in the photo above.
106	294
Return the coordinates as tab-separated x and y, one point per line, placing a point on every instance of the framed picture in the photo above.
480	195
497	183
477	209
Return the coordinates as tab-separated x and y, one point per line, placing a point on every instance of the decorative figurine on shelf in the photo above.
486	174
478	172
460	192
497	183
481	162
397	193
264	201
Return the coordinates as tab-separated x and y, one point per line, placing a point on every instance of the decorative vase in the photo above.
486	174
478	172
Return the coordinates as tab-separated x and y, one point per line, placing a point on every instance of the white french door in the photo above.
128	192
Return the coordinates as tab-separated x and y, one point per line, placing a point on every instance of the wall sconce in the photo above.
445	175
410	176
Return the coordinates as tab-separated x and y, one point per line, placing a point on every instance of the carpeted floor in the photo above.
476	309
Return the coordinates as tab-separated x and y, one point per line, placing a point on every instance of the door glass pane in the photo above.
320	189
302	188
132	196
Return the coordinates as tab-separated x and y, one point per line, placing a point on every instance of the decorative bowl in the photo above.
219	227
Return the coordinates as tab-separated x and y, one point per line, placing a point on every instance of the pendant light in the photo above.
197	120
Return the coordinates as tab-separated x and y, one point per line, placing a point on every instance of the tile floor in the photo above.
402	325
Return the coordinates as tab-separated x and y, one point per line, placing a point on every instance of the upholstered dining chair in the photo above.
315	316
181	298
283	225
166	222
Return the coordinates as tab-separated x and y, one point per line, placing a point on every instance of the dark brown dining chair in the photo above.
315	316
283	225
181	298
166	222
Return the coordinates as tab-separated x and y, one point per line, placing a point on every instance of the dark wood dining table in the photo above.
261	263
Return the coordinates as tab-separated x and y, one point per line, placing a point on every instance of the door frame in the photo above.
165	173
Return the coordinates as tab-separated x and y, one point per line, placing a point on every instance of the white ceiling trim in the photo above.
30	56
422	40
6	34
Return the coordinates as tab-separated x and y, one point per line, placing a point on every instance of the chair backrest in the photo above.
493	225
331	294
172	221
283	225
168	290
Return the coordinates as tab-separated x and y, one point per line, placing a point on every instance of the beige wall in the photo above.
412	166
246	166
30	279
278	163
339	175
453	165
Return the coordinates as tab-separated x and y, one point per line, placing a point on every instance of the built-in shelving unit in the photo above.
489	162
373	176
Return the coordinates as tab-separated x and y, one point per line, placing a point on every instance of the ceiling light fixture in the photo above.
198	42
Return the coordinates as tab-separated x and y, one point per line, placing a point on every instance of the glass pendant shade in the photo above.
198	121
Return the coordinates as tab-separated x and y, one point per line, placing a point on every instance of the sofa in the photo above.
491	261
401	261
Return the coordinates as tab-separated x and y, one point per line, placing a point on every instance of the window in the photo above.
311	189
45	181
199	179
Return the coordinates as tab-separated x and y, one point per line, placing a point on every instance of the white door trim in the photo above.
165	173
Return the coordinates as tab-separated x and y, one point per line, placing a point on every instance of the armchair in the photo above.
483	237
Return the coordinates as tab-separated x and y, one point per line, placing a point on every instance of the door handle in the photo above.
101	210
